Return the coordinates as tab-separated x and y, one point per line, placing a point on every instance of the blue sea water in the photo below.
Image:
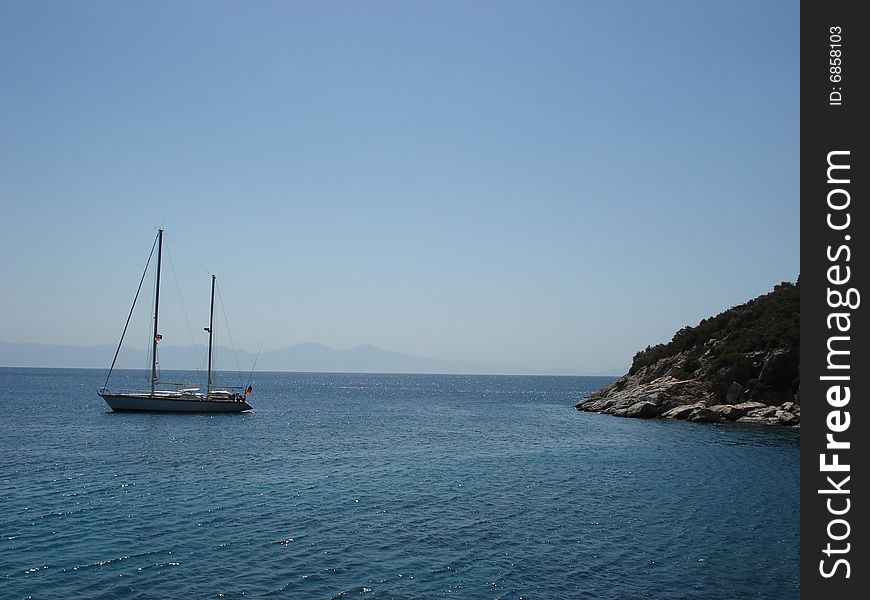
387	486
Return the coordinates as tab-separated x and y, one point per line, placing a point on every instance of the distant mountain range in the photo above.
301	357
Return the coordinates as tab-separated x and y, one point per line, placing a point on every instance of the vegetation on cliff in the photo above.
765	323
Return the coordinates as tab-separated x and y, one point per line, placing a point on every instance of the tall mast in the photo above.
210	328
156	311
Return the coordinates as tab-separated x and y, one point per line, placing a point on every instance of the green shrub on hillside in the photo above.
767	322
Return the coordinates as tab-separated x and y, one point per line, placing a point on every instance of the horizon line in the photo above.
539	374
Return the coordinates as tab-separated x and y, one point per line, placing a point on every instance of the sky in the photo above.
542	185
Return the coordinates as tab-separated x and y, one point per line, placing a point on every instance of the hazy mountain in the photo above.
301	357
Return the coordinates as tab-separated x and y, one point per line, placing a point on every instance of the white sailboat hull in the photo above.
169	402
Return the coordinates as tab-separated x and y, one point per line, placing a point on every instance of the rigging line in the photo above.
184	310
189	255
229	333
251	375
138	289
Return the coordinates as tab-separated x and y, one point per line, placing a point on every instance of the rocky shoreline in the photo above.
670	398
716	372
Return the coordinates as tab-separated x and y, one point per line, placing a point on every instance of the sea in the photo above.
386	486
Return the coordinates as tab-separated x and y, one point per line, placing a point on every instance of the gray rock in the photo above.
681	412
728	411
774	397
757	420
734	394
595	404
703	415
664	392
741	371
787	418
747	406
767	411
643	409
780	368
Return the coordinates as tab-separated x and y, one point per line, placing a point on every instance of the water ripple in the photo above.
388	487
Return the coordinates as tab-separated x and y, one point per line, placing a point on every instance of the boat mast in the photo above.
210	328
156	311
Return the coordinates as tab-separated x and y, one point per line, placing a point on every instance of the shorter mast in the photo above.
156	312
210	335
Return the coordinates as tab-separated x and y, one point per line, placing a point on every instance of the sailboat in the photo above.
190	399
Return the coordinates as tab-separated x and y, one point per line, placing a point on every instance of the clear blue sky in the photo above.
536	184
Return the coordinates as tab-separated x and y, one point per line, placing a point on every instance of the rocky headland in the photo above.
741	365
